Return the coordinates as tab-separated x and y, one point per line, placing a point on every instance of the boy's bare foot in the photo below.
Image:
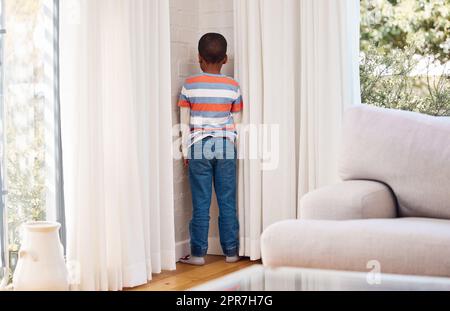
192	260
232	259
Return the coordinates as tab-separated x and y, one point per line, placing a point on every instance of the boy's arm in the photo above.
237	107
185	120
237	117
237	114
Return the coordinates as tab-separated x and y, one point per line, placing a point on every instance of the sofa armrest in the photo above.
356	199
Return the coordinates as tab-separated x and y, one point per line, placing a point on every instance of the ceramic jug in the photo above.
41	265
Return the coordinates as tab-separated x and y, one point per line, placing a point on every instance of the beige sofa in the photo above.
392	208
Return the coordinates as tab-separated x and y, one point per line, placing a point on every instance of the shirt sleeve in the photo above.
185	115
184	98
238	104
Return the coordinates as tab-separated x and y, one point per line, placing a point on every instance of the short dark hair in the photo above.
213	48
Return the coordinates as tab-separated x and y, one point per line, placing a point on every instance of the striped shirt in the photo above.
212	99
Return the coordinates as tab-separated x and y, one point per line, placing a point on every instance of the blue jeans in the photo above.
213	160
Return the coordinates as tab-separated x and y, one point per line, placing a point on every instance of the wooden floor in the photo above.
186	276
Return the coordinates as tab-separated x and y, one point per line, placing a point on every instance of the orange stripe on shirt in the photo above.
211	107
209	79
184	103
237	108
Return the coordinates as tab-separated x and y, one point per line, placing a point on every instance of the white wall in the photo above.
184	20
190	19
217	16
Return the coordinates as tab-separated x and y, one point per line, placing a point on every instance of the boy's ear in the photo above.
225	60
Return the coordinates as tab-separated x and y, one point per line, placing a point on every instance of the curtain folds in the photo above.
297	62
329	83
116	131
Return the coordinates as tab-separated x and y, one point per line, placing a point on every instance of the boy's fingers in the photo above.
186	163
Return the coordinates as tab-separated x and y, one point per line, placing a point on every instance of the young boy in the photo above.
210	106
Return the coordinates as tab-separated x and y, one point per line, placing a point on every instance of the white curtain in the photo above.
329	83
297	62
116	131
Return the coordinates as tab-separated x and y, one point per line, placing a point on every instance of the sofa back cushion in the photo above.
409	152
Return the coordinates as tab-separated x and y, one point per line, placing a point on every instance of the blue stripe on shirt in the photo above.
238	101
210	86
210	100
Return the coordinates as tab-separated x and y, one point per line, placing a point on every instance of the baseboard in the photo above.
182	249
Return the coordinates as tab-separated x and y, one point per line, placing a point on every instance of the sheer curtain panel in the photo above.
116	133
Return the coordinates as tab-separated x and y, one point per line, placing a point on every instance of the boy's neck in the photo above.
214	70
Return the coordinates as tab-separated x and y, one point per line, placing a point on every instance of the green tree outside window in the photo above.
405	55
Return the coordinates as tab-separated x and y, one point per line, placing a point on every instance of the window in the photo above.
30	121
405	59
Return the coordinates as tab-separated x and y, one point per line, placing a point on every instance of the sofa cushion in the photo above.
408	151
413	246
353	199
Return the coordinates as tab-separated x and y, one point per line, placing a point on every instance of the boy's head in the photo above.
212	50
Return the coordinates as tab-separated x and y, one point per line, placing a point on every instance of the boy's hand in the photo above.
186	162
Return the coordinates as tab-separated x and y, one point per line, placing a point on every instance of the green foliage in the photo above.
386	81
395	34
421	24
24	117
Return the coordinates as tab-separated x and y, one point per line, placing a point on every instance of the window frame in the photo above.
57	199
4	258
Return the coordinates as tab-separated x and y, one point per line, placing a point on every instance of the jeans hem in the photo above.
231	252
198	252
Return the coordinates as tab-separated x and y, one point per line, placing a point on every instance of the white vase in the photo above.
41	265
